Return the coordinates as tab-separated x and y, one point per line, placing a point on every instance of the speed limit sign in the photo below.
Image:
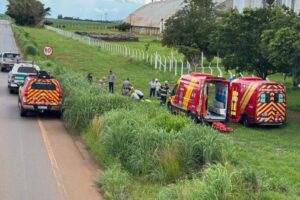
48	50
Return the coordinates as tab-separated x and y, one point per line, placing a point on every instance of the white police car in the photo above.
19	73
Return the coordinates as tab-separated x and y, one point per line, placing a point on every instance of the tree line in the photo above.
261	41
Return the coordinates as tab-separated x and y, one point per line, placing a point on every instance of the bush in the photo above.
30	49
115	183
123	27
28	46
48	23
149	143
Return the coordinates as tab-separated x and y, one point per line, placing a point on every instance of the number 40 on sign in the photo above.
48	50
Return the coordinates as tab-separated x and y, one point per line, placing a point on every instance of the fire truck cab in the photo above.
202	97
257	101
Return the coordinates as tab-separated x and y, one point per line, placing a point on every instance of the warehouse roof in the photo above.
150	15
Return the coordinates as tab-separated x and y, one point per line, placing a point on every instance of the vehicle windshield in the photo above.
27	70
43	86
11	56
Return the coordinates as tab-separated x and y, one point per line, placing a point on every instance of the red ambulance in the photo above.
257	101
202	97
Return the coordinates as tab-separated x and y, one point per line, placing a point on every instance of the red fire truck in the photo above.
257	101
202	97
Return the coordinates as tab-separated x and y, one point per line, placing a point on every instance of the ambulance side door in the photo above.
234	104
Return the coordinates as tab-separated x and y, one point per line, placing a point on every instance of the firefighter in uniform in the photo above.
164	92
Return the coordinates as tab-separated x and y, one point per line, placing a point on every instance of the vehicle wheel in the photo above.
58	114
11	90
246	121
192	117
22	111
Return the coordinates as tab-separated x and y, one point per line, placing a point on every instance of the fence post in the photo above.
188	66
155	65
165	66
211	70
181	67
147	57
170	64
151	59
175	67
220	71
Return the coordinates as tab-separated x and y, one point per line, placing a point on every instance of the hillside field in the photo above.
271	152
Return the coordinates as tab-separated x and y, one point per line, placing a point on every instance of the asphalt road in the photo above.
38	158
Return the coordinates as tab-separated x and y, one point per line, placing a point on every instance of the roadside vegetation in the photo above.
149	154
27	12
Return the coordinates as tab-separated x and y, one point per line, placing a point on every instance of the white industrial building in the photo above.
241	4
150	18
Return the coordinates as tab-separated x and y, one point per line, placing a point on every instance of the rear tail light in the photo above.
13	78
24	99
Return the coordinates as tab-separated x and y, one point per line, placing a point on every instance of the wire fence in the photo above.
170	63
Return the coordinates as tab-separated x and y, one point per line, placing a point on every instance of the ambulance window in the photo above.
279	98
265	98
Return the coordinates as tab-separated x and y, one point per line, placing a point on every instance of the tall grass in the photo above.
24	41
157	152
83	101
115	183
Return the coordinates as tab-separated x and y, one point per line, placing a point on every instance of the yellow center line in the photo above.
54	165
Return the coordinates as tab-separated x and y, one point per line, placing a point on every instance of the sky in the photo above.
89	9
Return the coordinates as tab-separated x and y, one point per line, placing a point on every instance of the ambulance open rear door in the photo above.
234	109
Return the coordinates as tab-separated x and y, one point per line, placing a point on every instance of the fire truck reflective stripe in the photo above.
32	93
270	107
247	96
188	93
42	96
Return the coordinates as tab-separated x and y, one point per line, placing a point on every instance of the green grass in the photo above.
273	153
80	25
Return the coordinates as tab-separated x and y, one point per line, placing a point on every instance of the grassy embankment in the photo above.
123	138
153	43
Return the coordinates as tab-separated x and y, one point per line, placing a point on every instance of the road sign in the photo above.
48	50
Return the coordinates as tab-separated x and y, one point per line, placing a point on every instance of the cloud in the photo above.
106	10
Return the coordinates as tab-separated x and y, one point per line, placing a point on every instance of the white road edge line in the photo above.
55	168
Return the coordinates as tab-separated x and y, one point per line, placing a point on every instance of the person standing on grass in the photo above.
111	81
152	88
164	92
157	85
90	78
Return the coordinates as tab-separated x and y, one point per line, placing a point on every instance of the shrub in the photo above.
30	49
147	145
123	27
115	183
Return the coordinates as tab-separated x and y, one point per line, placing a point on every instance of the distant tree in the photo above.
237	39
270	2
123	27
189	30
48	23
60	16
284	51
27	12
